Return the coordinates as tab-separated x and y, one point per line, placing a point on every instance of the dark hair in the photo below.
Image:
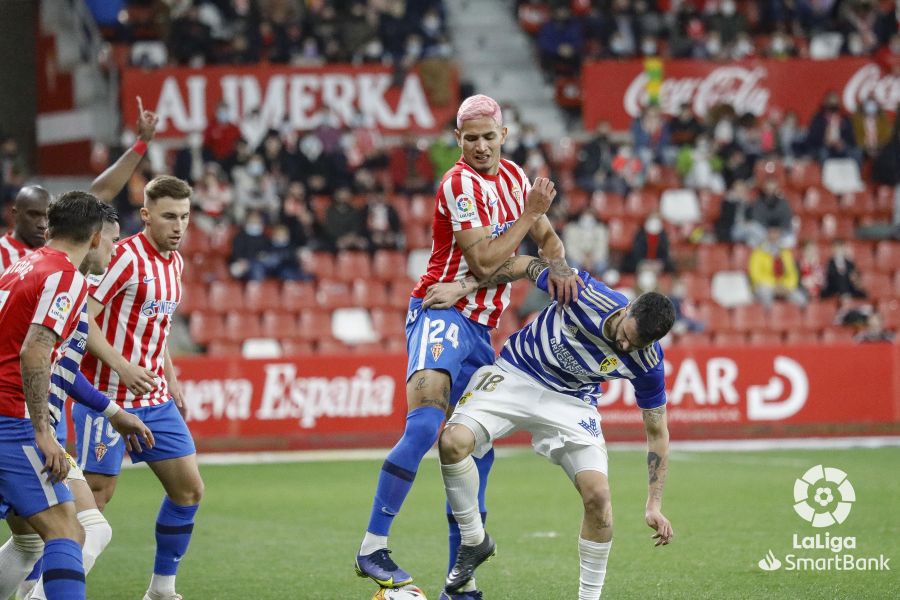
166	186
74	216
654	314
108	213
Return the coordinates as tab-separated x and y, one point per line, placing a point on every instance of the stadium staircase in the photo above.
498	58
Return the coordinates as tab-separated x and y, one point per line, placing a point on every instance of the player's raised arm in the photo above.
445	295
35	360
562	282
111	181
136	378
657	430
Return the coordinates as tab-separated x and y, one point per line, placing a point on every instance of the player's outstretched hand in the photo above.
137	379
56	466
664	533
133	431
563	283
146	123
443	295
540	196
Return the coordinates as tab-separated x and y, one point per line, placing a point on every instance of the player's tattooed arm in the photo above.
445	295
657	454
35	360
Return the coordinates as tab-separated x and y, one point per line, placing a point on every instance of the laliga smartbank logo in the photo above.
823	497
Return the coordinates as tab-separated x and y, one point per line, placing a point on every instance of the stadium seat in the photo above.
841	175
710	206
890	315
314	325
717	318
819	201
388	322
897	283
863	258
764	338
399	292
279	325
220	241
819	315
319	264
421	209
394	345
712	258
387	264
837	335
368	349
803	174
695	339
298	295
225	296
680	206
799	336
331	293
261	347
352	326
731	288
240	325
328	346
223	348
196	241
194	297
878	286
729	338
352	265
204	327
260	296
784	316
621	233
697	287
838	226
749	318
297	348
740	257
607	205
887	256
206	268
639	203
770	168
417	236
810	229
857	204
368	294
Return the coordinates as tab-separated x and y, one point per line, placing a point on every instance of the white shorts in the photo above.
499	401
75	472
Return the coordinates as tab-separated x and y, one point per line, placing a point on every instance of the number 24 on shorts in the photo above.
436	328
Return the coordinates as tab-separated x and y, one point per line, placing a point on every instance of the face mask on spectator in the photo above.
222	115
648	47
256	168
778	45
254	229
281	240
870	107
654	225
728	8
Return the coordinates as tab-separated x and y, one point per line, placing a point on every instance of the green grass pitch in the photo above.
289	531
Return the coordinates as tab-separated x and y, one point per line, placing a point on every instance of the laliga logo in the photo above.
823	496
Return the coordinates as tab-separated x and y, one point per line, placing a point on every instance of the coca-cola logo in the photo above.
868	81
735	85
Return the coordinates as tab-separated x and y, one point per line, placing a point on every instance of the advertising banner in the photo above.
617	91
356	401
185	99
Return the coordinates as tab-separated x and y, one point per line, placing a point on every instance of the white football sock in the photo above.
461	483
372	542
97	534
593	557
162	585
17	558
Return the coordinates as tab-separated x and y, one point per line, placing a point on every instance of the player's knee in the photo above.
456	443
189	495
96	525
598	504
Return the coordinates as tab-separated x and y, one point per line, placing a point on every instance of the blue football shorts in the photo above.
101	449
23	487
445	340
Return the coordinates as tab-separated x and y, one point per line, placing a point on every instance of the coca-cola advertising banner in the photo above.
616	91
303	98
357	401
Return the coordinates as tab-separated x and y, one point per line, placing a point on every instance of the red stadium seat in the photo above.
279	325
697	287
887	256
388	322
729	338
206	268
314	325
803	174
764	338
710	205
331	346
878	285
857	204
607	205
417	236
297	348
695	339
319	264
863	258
260	296
818	201
298	295
368	348
205	327
220	241
395	345
224	348
388	264
712	258
740	257
621	233
194	297
837	335
897	283
352	265
368	294
749	318
770	168
890	315
819	315
225	296
399	292
196	241
240	325
331	294
799	336
639	203
784	316
716	317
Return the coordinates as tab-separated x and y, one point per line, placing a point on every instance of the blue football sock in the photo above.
174	525
483	465
63	570
399	469
36	571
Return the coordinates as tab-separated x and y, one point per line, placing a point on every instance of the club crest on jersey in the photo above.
436	351
465	206
609	364
464	398
517	193
60	307
573	329
158	307
100	451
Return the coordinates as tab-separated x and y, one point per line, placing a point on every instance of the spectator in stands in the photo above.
841	275
595	159
727	21
651	243
212	199
345	224
410	166
356	30
296	214
313	167
628	172
874	331
773	271
255	189
587	243
830	132
221	135
698	166
771	209
781	45
685	127
249	248
859	19
651	138
443	152
886	170
190	41
791	137
533	14
736	165
871	127
560	42
281	260
383	224
812	274
732	224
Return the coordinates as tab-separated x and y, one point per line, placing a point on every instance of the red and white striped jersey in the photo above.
11	251
44	288
139	291
467	199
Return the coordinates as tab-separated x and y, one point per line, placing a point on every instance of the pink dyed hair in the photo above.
478	107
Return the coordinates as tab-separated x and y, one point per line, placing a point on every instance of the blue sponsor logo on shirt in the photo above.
500	228
158	307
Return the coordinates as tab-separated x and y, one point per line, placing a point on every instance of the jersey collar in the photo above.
151	249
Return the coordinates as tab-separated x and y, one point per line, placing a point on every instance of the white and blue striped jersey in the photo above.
564	349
